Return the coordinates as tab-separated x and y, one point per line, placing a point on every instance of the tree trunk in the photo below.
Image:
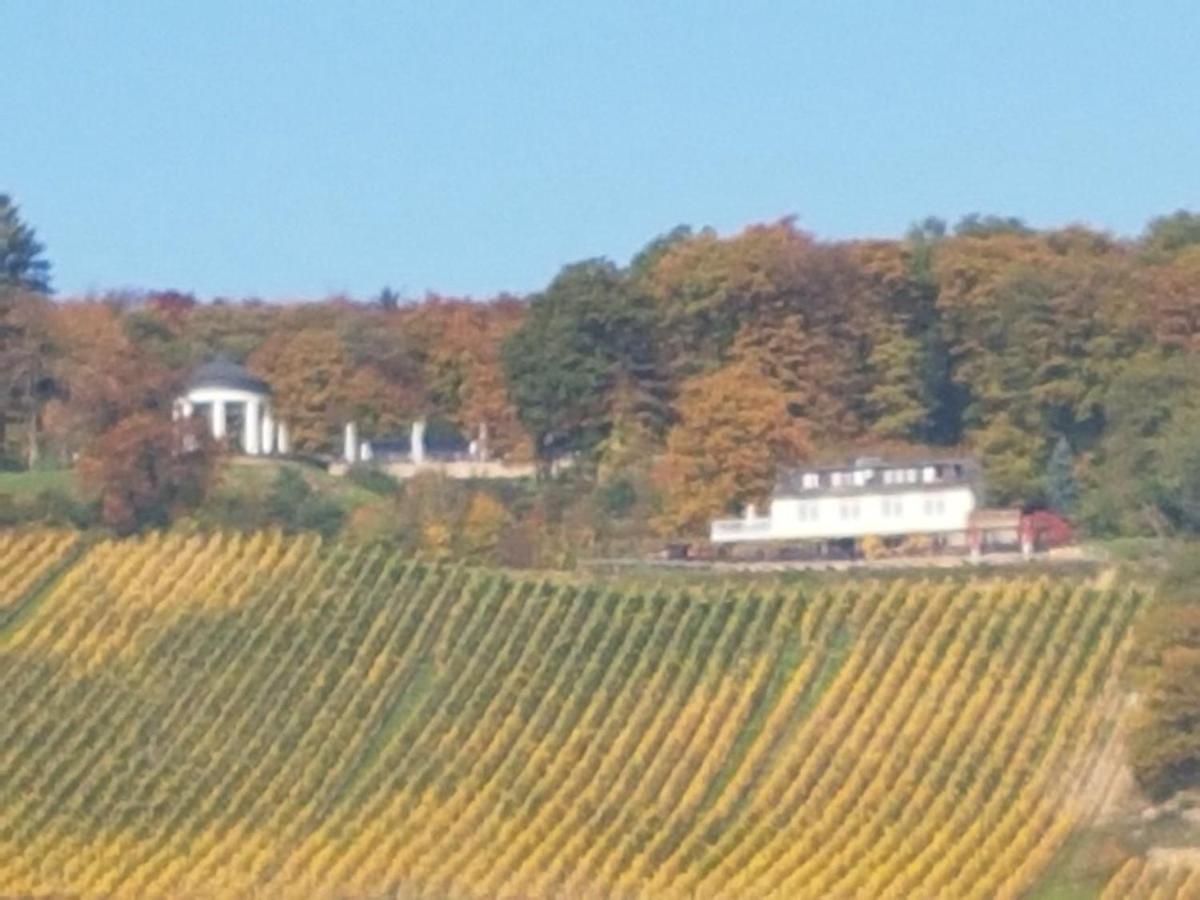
33	453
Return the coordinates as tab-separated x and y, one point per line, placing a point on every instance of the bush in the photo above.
57	507
294	506
374	480
617	498
873	547
1164	745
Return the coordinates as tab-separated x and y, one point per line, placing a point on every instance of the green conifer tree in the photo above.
1062	490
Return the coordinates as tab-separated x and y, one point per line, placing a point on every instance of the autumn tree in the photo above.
318	387
483	527
463	367
235	330
707	288
735	430
100	376
1169	299
774	293
145	470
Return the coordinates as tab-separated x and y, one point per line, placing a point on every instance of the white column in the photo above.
283	439
268	432
218	419
251	428
350	443
417	442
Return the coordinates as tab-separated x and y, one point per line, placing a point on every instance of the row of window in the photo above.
893	507
862	477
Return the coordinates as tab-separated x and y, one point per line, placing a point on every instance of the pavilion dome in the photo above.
223	372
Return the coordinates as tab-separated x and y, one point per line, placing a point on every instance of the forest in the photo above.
1066	360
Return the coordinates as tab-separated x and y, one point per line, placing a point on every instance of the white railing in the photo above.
740	529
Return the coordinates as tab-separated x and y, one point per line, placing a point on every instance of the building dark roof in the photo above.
947	472
223	372
442	441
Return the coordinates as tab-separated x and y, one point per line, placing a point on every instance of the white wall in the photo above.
458	469
927	510
228	395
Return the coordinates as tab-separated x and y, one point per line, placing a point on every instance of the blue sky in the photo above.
292	150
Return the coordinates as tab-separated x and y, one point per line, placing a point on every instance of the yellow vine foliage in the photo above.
270	716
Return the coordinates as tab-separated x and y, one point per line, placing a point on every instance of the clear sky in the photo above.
294	149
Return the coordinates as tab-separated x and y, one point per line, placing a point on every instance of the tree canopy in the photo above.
1064	359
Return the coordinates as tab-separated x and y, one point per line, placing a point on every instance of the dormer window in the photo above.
810	480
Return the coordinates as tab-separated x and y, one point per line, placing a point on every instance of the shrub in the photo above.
1164	745
294	506
375	480
617	498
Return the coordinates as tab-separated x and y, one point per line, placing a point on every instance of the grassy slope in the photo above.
24	485
242	476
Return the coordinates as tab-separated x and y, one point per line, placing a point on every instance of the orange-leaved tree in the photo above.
318	386
734	432
145	470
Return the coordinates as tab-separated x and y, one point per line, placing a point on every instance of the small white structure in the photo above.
237	407
865	497
430	448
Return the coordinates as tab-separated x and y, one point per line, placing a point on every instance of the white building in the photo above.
866	497
237	407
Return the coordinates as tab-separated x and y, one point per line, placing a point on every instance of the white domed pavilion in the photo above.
237	407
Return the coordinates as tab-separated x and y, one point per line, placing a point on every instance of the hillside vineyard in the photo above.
269	716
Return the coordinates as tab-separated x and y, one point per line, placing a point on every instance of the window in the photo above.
935	506
893	507
929	475
810	480
849	510
806	512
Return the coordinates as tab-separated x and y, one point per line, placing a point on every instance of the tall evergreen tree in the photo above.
1062	490
22	265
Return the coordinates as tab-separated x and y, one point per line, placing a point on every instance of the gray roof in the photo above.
225	373
952	471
